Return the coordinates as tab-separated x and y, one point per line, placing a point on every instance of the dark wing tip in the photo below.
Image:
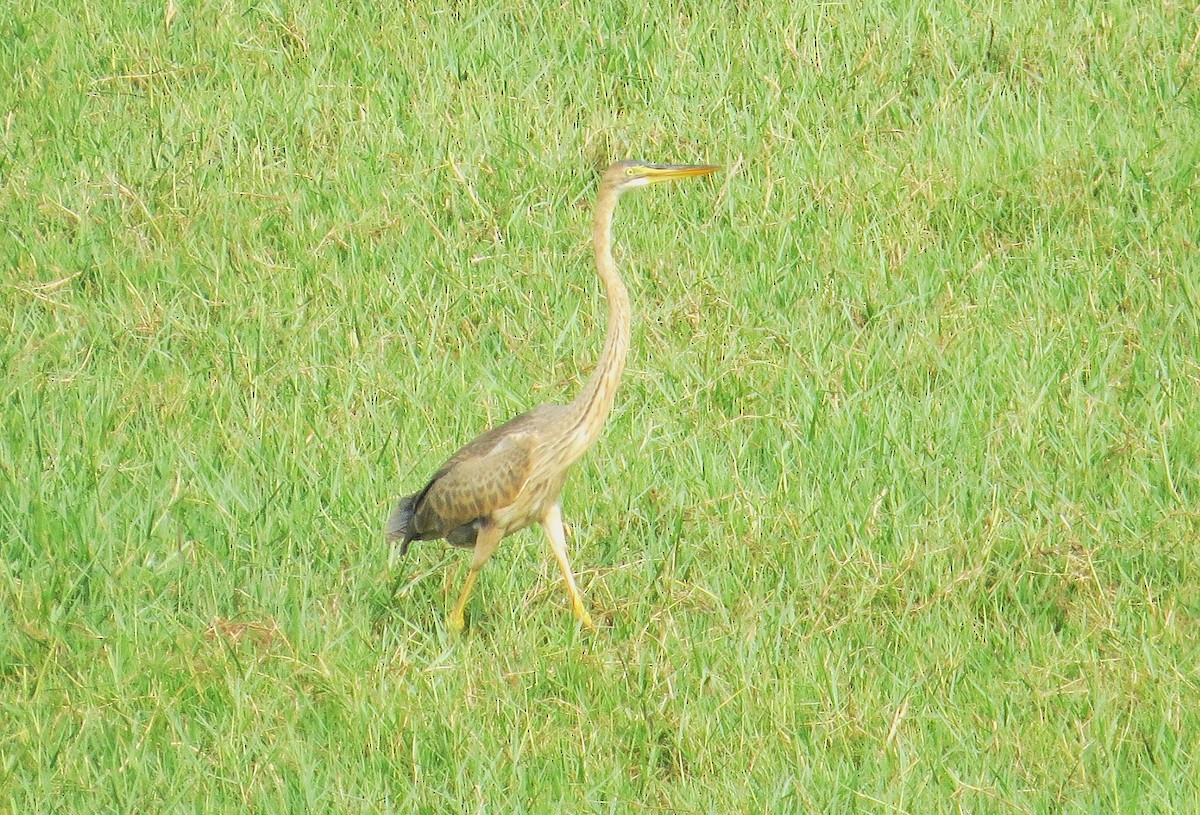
399	525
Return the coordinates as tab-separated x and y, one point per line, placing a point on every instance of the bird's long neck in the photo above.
591	406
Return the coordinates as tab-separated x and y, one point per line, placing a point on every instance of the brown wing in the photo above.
476	486
483	476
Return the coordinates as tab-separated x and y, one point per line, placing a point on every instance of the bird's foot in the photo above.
455	621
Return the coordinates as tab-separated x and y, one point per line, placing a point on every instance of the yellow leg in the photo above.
457	621
553	524
485	545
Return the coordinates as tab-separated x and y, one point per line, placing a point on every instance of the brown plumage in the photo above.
511	476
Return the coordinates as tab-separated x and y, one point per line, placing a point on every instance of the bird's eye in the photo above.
629	172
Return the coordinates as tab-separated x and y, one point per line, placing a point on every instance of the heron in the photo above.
512	476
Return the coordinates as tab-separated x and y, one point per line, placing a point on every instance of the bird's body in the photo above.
502	462
511	476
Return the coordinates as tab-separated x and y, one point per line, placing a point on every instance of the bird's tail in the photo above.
400	525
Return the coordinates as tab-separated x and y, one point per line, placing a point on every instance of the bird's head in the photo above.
626	175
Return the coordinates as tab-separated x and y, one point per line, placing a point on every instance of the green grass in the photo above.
898	507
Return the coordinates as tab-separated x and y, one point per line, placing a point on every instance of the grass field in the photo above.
898	507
